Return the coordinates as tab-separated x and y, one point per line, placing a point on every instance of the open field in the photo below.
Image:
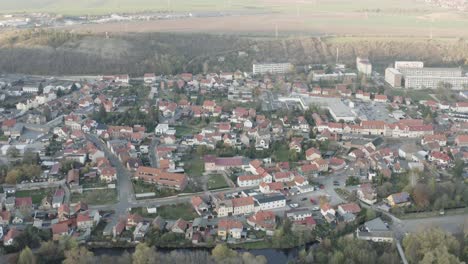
174	212
36	195
321	17
216	181
106	196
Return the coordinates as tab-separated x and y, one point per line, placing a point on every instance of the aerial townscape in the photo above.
125	147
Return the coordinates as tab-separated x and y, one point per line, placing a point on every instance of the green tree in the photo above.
13	152
144	254
78	255
222	252
26	256
430	245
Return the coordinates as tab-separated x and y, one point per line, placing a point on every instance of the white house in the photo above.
161	129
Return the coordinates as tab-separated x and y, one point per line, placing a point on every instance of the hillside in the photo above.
165	53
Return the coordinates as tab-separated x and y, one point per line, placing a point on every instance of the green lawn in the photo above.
36	195
194	166
174	212
142	211
282	154
185	131
95	197
216	181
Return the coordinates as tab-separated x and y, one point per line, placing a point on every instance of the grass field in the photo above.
36	195
216	181
174	212
96	197
343	17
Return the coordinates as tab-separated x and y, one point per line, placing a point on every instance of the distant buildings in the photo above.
413	74
364	66
273	68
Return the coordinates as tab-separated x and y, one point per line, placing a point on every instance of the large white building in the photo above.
273	68
412	74
408	64
364	66
432	82
393	77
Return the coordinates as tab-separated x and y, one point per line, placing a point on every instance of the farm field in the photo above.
320	17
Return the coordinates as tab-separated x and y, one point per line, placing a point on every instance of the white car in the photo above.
294	205
315	208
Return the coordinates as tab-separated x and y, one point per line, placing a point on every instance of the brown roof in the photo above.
59	228
242	201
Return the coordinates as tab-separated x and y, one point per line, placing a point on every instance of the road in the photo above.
154	161
125	187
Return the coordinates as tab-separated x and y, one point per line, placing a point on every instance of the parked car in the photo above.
294	205
312	201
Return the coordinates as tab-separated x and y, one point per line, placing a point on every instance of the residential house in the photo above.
367	194
243	205
399	199
313	154
59	230
375	230
230	227
263	220
161	178
180	226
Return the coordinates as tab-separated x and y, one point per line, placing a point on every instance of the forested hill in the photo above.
55	52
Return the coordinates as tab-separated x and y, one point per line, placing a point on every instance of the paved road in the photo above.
124	187
153	154
450	223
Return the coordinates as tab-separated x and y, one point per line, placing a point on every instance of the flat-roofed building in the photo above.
273	68
408	64
364	66
393	77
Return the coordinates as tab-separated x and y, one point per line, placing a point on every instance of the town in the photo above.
278	157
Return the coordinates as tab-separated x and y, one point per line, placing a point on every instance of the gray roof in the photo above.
262	198
376	225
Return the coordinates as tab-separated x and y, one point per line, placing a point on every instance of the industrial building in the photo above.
273	68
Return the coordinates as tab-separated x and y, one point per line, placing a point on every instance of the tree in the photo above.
102	114
13	152
26	257
30	157
430	245
421	196
144	254
370	214
12	176
78	255
222	252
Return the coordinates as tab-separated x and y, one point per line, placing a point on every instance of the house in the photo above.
140	231
398	199
59	230
10	236
263	220
5	217
177	181
149	78
367	194
180	226
213	163
108	174
230	227
439	158
249	180
352	208
73	177
224	207
285	176
328	212
375	230
270	201
313	154
461	140
199	205
243	205
84	221
161	129
298	214
336	164
119	227
23	202
58	197
133	219
63	212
